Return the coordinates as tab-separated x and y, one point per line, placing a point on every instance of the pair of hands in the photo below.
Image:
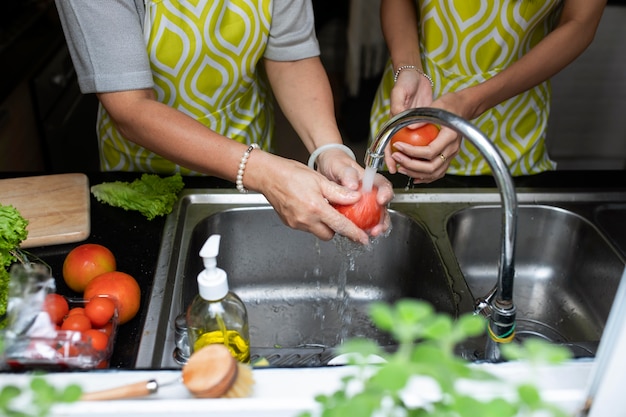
425	163
303	197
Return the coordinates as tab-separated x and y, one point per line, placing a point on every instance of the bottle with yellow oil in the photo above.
216	314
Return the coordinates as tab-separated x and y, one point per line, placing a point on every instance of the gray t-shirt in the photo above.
106	41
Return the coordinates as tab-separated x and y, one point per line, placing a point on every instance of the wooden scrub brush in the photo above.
211	372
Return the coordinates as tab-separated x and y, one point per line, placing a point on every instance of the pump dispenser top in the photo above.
212	281
216	314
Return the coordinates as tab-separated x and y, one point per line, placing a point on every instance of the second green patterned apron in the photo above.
464	43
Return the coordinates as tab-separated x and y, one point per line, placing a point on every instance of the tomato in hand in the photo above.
421	136
56	306
365	213
100	310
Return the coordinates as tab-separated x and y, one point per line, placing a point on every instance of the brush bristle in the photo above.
242	387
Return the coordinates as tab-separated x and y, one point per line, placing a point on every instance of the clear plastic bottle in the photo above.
217	315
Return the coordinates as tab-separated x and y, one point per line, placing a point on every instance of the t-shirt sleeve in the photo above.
292	33
106	43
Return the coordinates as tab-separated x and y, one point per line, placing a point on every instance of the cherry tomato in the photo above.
97	339
107	329
68	350
100	310
76	310
365	213
76	322
421	136
56	306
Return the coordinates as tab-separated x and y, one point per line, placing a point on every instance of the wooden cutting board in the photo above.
56	207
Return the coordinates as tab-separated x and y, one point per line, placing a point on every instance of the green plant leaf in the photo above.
391	376
412	311
382	316
426	342
71	393
364	347
427	353
536	351
499	407
470	325
439	328
529	395
8	394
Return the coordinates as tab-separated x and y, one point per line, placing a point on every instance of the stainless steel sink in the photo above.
303	292
566	276
305	296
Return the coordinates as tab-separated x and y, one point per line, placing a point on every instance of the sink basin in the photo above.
566	276
300	291
304	296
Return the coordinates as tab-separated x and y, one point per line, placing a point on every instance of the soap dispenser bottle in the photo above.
216	314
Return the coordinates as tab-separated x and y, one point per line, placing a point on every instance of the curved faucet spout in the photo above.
503	310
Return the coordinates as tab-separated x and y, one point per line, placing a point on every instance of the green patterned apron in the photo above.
205	57
464	43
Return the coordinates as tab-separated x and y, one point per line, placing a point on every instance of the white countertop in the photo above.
287	392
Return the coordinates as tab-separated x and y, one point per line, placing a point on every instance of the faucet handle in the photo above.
482	305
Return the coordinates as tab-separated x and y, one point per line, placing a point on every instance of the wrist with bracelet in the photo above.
414	68
316	153
242	168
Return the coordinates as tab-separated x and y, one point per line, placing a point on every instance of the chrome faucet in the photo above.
498	305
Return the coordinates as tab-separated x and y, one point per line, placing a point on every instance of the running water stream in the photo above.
368	179
350	251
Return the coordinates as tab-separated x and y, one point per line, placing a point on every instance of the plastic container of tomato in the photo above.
39	344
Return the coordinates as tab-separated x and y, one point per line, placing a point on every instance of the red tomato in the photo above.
84	263
76	322
98	340
56	306
76	310
365	213
106	329
100	310
68	350
421	136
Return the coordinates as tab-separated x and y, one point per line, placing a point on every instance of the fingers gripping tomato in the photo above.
421	136
365	213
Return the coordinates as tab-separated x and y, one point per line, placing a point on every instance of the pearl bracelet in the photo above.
412	67
242	168
326	147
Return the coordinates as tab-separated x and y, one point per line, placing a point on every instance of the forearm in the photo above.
303	93
573	34
399	26
172	134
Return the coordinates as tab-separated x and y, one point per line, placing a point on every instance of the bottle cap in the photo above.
212	281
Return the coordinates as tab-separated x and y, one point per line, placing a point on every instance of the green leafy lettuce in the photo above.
151	195
12	233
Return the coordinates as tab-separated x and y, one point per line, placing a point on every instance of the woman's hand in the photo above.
424	163
428	163
302	197
411	90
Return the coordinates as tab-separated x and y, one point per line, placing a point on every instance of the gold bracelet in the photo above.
412	67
